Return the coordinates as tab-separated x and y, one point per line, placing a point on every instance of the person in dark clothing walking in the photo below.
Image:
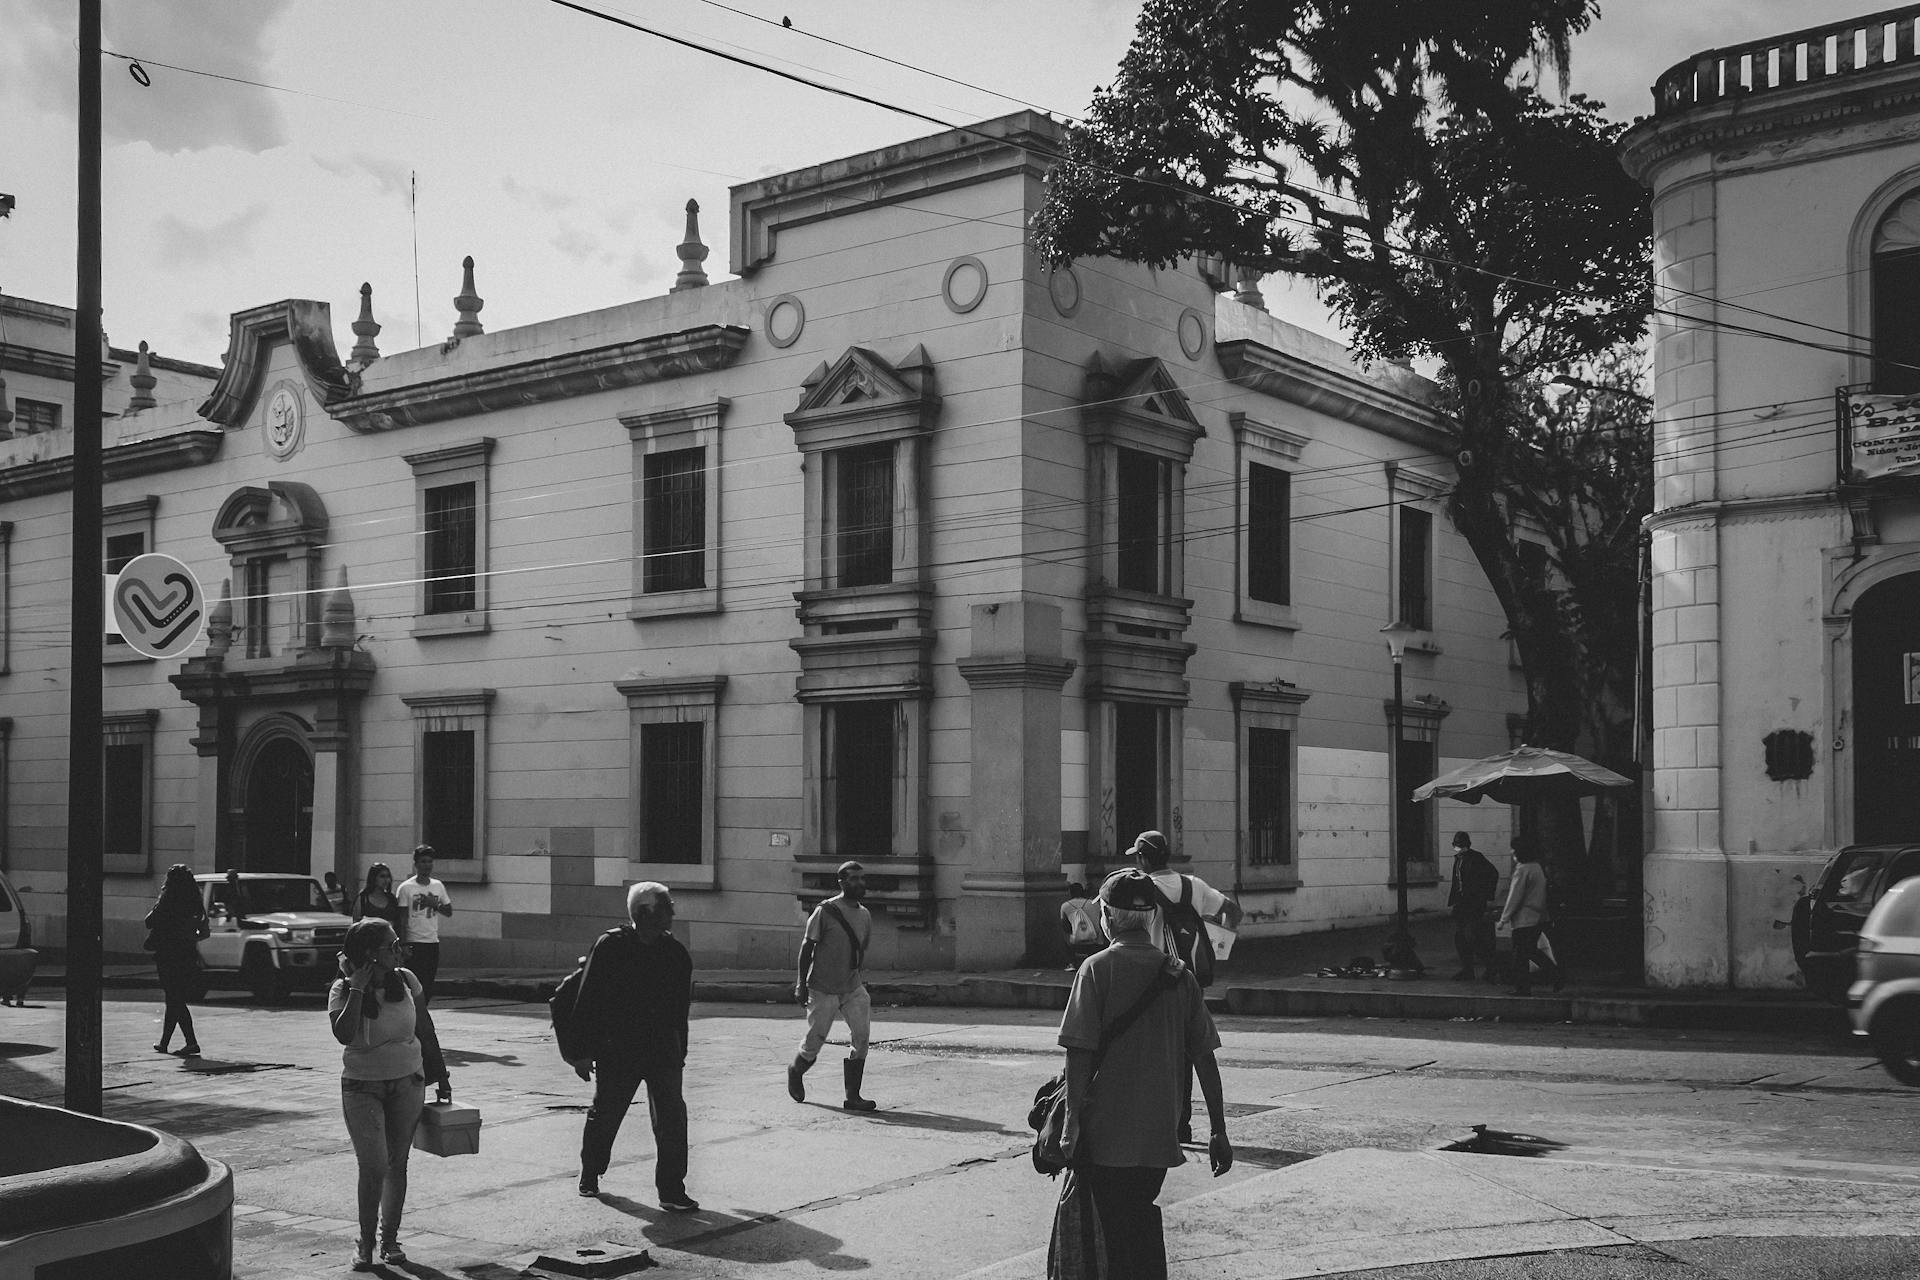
633	1008
1475	880
174	928
377	899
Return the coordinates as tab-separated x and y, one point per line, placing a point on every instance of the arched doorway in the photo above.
278	819
1886	708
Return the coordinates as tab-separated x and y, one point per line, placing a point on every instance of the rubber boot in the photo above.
855	1069
796	1087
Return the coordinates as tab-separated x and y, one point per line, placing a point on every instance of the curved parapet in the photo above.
82	1196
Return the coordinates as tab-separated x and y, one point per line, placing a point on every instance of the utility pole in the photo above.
84	765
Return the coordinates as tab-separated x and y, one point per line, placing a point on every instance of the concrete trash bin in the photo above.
448	1129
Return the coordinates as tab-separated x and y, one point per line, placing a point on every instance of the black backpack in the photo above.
569	1036
1188	931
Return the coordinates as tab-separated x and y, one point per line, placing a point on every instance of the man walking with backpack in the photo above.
1187	903
831	984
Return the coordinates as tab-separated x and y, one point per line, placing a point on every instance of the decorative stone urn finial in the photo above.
365	331
220	623
338	628
142	382
692	253
469	302
6	414
1247	289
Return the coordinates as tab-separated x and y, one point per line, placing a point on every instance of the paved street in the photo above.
936	1184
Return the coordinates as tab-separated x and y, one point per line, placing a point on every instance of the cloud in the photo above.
181	243
390	177
551	201
580	246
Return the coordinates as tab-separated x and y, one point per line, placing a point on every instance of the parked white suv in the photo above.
272	933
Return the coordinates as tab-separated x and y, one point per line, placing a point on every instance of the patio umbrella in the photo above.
1524	773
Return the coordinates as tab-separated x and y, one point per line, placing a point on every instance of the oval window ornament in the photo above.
158	606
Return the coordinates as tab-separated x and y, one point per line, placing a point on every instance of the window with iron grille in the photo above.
1269	513
1138	766
862	758
31	417
671	790
674	494
1415	552
1416	819
447	792
863	542
1141	487
452	548
1269	806
124	784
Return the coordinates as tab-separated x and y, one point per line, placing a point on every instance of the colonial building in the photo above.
1786	537
893	546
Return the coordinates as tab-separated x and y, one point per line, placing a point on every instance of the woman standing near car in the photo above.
377	900
376	1011
174	929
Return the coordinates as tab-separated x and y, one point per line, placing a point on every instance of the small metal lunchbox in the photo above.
448	1129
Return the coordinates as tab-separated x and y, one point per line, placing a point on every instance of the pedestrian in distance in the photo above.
1470	898
1080	925
632	1012
378	1012
1526	914
1125	1088
336	894
425	900
377	900
832	984
175	926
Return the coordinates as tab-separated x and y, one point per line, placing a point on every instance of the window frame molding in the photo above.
133	729
6	609
674	700
1280	450
1106	843
116	520
1271	705
1420	720
667	431
466	463
441	711
283	520
1422	491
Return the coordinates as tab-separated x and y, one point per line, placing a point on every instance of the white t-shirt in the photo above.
423	920
1207	900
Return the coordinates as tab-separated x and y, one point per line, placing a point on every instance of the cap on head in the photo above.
645	895
1151	847
422	851
849	868
1129	890
1461	840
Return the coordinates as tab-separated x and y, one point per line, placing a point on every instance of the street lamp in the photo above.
1399	952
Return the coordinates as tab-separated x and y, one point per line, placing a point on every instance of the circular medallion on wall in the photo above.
1063	286
965	284
284	420
1193	333
785	319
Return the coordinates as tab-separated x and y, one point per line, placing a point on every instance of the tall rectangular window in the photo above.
452	548
124	783
671	790
1269	518
1415	553
1269	798
1139	521
122	549
863	544
1138	761
1896	326
861	785
447	791
1416	819
674	502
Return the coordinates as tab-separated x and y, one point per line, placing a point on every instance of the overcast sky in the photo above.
556	149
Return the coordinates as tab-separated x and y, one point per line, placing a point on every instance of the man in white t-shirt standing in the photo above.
425	900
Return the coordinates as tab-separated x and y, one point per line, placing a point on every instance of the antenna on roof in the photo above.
413	209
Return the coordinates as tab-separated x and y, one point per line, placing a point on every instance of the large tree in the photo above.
1397	153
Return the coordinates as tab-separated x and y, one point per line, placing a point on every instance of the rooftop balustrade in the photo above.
1823	54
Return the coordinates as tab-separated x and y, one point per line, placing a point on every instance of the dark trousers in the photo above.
1473	937
1526	945
1130	1220
614	1084
424	959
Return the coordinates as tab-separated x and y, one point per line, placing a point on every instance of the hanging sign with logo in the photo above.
1883	435
158	606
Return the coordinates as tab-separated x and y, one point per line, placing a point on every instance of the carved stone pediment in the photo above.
862	395
304	325
1137	403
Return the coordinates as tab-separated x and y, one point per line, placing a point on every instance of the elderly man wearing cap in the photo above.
1124	1082
632	1009
831	984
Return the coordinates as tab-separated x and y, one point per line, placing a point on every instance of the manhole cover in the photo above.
596	1260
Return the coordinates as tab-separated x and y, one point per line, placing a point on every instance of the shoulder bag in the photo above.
1048	1115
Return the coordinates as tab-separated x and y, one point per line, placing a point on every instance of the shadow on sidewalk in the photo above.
718	1234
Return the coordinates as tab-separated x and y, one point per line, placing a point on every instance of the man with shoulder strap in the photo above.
831	984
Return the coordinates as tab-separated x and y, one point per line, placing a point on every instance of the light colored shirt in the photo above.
1207	900
423	920
1526	897
385	1047
834	971
1078	915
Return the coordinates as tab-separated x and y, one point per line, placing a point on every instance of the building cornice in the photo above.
1786	506
1338	395
621	364
118	462
17	357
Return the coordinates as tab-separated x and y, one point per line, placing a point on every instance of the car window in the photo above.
1905	867
6	901
1852	877
263	897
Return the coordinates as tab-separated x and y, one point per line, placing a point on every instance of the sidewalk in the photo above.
1266	977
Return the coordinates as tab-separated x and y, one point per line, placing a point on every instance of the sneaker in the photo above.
160	1048
391	1254
681	1203
363	1255
187	1051
589	1184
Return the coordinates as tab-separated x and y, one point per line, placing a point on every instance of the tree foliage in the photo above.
1398	154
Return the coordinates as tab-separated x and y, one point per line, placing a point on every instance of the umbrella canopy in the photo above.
1524	773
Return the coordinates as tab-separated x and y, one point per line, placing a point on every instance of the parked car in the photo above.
1827	918
1884	1000
18	959
272	933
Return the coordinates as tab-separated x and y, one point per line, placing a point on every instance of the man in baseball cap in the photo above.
832	985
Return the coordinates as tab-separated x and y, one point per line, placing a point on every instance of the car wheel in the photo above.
1896	1041
260	977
